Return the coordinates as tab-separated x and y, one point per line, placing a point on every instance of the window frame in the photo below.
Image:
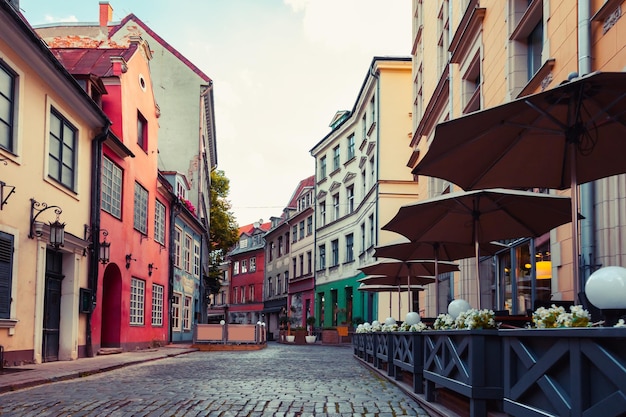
140	209
176	311
157	304
65	163
112	188
159	222
11	98
137	299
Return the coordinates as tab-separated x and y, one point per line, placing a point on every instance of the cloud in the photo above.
52	19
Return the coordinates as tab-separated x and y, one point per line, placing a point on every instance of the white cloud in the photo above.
52	19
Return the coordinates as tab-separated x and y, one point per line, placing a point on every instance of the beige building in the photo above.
475	54
360	184
48	125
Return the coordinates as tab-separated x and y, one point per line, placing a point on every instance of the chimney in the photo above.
106	13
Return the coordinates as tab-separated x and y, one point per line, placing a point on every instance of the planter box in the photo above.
468	362
565	372
330	336
408	355
300	336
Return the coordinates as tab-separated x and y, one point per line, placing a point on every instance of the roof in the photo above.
91	61
308	182
160	40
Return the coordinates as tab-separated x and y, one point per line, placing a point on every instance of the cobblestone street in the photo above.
281	380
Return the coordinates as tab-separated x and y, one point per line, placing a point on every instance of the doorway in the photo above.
111	307
52	306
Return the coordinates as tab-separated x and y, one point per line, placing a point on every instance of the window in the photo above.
62	153
371	223
244	266
373	109
364	126
8	81
253	264
350	192
334	247
111	188
287	242
176	312
270	249
6	274
294	265
279	285
372	172
236	268
301	224
336	206
270	288
309	225
251	288
235	299
308	262
336	158
242	292
364	182
196	259
280	246
187	314
157	305
301	257
362	237
137	295
294	234
322	213
323	167
322	251
141	209
178	233
535	49
350	247
142	132
159	222
286	280
443	43
350	146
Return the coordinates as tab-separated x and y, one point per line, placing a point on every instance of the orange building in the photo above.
132	291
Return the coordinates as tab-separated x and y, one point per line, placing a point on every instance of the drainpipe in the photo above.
93	261
587	190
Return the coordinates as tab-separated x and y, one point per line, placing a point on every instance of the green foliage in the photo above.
224	231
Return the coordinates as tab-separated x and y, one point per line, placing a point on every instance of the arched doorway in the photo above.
111	306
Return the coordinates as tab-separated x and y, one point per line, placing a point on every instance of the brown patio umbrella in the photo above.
559	138
389	288
475	217
411	273
442	251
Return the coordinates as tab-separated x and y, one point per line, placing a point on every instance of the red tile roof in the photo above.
91	61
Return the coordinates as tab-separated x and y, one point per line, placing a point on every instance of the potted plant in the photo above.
310	321
284	328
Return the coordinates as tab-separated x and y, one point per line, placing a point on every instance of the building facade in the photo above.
277	267
186	237
359	185
184	96
301	289
48	129
481	53
247	272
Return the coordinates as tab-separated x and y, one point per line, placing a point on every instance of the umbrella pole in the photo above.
410	295
477	251
436	249
399	295
576	284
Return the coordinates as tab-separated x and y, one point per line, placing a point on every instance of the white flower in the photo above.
443	322
545	318
620	323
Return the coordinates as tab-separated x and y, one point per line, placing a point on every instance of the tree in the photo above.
224	231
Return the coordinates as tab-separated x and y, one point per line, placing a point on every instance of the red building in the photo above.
131	294
247	271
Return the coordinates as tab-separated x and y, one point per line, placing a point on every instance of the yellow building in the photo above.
471	55
47	127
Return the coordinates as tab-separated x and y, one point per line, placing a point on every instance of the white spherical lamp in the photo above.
606	288
375	323
457	307
389	321
412	318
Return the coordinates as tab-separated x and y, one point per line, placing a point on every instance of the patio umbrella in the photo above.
411	273
389	289
475	217
442	251
559	138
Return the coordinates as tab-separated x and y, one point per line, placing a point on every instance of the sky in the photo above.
281	69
